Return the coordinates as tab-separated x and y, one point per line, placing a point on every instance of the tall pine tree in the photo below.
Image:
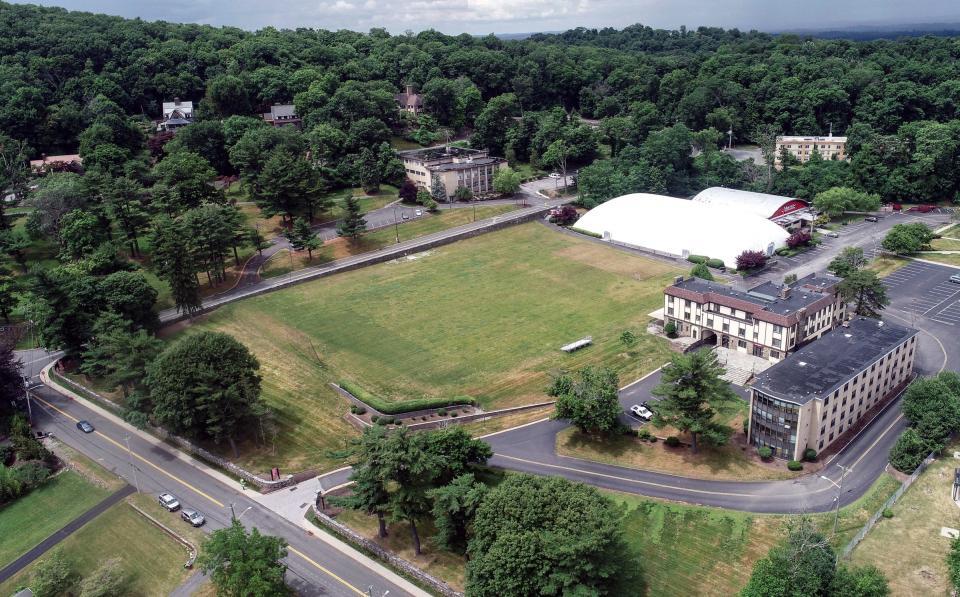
175	265
352	225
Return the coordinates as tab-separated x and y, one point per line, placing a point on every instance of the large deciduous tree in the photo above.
243	564
591	401
546	536
691	387
907	239
205	386
849	260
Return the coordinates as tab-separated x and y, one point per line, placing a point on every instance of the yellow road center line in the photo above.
325	570
876	441
137	456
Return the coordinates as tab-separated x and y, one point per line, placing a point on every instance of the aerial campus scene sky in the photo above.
522	16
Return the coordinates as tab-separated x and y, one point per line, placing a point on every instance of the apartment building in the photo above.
767	321
453	166
815	395
829	148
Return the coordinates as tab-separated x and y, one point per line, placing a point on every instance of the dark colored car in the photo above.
85	426
871	219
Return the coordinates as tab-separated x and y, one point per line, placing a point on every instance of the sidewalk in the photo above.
67	530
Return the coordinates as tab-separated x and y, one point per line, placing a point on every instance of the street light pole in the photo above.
836	516
136	481
396	226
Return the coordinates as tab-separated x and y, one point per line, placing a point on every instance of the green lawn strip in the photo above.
37	515
945	244
484	317
946	258
394	408
152	560
386	195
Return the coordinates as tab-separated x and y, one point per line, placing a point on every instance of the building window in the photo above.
775	354
742	343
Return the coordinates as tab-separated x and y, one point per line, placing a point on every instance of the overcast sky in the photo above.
521	16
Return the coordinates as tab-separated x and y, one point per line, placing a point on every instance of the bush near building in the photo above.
800	238
749	260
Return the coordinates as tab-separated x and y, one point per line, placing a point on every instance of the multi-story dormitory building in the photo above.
809	399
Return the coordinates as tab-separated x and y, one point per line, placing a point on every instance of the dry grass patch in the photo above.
884	266
945	244
494	424
917	564
945	258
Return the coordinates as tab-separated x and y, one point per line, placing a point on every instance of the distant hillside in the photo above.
869	32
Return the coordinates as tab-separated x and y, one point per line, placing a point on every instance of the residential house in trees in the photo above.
409	101
282	115
176	114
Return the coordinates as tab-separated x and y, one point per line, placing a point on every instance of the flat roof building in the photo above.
800	147
767	321
453	166
815	395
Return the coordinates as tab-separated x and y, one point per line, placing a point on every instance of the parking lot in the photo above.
925	291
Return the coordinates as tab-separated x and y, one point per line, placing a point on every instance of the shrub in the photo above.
909	451
798	239
442	412
670	329
795	465
566	215
716	264
810	455
697	259
701	271
361	410
375	418
887	513
653	439
673	441
353	408
562	384
765	452
751	260
453	413
746	426
586	232
644	434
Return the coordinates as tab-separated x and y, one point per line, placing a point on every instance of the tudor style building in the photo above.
767	321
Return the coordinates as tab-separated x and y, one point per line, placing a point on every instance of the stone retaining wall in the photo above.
406	568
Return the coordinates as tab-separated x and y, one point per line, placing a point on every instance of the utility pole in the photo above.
836	516
233	513
396	226
730	138
136	481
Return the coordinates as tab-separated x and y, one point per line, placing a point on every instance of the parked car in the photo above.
641	412
871	219
955	278
923	208
555	175
896	207
647	406
405	216
419	212
193	517
828	232
85	426
169	501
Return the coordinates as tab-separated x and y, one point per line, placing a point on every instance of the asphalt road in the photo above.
315	567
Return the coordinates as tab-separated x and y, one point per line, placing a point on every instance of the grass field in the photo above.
945	244
917	565
884	266
284	262
152	560
34	517
483	317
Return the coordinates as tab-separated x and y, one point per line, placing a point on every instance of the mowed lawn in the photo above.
152	560
34	517
484	317
917	564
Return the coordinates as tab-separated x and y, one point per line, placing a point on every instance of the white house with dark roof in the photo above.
176	114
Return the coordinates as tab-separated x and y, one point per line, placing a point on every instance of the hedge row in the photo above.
714	263
587	232
395	408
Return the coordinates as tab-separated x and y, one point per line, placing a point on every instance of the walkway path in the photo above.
68	529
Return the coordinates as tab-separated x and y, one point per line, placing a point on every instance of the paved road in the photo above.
61	534
316	567
866	235
399	250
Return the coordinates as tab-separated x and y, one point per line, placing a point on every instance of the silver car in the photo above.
169	501
193	517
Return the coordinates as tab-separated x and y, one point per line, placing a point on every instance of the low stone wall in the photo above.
265	485
182	540
406	568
